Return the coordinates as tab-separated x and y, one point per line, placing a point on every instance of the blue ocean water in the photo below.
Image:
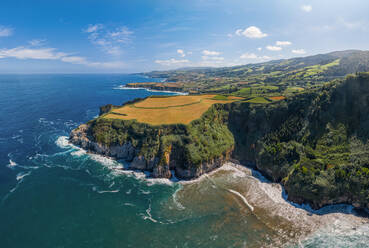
53	194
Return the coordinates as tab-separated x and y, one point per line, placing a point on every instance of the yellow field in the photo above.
167	110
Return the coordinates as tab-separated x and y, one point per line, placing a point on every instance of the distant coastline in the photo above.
124	87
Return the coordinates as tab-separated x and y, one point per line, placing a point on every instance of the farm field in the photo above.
169	110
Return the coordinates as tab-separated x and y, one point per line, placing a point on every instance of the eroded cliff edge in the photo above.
189	150
316	144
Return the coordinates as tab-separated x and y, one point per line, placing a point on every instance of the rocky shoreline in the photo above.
128	152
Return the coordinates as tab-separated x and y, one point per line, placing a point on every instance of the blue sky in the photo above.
93	36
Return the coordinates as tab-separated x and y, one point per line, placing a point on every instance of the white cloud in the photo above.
52	54
74	60
37	42
283	43
260	48
249	56
298	51
274	48
181	52
121	35
29	53
110	42
307	8
5	32
170	62
253	56
213	58
251	32
107	65
352	24
210	53
93	28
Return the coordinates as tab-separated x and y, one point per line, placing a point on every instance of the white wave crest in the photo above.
12	164
78	153
63	142
149	216
107	191
22	175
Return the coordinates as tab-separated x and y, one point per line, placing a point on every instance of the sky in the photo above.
111	36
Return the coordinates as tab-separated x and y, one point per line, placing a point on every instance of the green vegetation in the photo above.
315	142
269	78
200	142
259	99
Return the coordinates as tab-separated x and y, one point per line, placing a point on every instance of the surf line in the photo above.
243	199
233	192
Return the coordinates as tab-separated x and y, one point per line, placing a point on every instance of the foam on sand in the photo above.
242	198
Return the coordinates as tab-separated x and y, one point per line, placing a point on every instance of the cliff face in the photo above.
316	144
190	150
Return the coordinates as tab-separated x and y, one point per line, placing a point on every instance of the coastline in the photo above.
123	87
266	201
255	194
227	166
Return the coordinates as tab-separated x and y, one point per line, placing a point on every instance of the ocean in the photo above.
53	194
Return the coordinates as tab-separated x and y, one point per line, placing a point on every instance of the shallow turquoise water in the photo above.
54	195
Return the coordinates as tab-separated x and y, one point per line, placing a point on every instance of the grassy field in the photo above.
169	110
258	99
277	98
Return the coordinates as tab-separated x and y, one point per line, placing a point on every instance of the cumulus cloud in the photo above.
213	58
260	48
251	32
109	41
307	8
253	56
29	53
5	32
171	62
298	51
283	43
210	53
181	52
52	54
274	48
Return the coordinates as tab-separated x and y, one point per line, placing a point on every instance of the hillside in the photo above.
315	143
270	78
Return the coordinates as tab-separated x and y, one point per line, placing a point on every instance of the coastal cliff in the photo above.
316	143
189	150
